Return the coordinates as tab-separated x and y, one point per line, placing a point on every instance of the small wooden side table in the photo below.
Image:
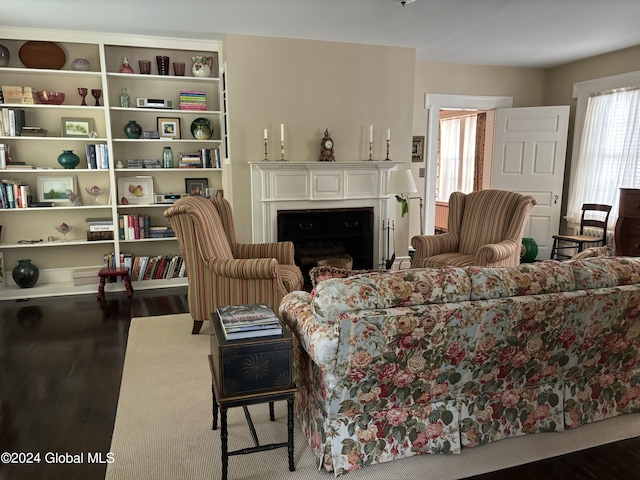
106	272
248	372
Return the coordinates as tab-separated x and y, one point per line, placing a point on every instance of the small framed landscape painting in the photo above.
77	127
55	189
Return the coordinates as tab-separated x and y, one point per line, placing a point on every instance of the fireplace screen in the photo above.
329	236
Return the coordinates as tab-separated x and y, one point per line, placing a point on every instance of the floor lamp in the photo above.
400	183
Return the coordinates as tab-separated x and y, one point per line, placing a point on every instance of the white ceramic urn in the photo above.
201	66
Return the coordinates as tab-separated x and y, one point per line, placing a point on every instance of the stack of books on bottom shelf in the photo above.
248	321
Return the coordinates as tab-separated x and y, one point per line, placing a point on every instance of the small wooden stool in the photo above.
114	272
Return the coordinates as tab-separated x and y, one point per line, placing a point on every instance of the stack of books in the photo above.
190	160
248	321
100	228
190	100
34	132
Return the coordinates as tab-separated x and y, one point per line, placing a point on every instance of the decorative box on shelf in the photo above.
250	366
85	276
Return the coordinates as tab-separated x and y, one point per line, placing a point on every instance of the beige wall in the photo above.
525	85
309	86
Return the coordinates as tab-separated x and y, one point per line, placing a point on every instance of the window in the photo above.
456	164
607	145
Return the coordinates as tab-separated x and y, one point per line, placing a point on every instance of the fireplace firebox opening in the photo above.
324	234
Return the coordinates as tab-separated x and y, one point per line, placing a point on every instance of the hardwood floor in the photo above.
60	366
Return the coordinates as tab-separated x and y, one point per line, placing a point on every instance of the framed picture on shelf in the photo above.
135	190
77	127
55	189
417	149
168	127
196	186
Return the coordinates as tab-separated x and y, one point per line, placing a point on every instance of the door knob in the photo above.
555	199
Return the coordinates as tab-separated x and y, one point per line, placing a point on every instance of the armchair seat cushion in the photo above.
448	260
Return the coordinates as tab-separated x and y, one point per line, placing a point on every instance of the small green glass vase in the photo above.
68	159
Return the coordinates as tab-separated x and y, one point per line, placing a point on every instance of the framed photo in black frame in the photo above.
195	187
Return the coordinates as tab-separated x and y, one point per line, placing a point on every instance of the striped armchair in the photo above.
485	229
222	271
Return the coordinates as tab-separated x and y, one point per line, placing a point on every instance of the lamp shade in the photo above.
401	181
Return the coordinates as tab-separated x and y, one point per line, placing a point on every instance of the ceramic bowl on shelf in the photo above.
50	98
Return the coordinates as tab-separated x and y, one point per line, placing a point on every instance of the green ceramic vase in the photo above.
68	159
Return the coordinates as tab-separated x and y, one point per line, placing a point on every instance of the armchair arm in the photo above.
430	245
498	252
283	252
245	269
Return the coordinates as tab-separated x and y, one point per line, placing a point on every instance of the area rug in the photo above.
163	424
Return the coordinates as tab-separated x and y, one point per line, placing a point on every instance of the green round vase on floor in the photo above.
25	274
68	159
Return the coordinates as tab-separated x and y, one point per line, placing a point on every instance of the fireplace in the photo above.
325	234
292	199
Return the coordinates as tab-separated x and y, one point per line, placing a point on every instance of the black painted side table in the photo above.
247	372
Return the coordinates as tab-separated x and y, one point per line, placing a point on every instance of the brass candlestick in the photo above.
282	152
387	159
370	159
265	159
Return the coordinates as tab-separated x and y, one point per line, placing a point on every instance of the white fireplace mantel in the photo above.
319	185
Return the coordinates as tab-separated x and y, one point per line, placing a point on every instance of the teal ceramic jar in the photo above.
68	159
132	129
25	274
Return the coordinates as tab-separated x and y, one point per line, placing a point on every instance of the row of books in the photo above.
11	122
97	156
149	267
203	158
14	193
248	321
190	100
135	226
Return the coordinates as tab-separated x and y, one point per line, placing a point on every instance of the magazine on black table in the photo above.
248	321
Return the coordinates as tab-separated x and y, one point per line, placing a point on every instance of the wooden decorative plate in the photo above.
42	55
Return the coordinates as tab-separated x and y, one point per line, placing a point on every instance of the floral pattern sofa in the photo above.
394	364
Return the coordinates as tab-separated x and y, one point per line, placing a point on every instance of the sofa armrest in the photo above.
430	245
318	339
283	252
497	252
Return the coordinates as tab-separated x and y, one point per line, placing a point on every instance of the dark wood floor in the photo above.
60	366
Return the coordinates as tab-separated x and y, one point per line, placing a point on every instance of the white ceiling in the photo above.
526	33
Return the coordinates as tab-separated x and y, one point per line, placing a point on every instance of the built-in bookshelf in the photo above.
108	156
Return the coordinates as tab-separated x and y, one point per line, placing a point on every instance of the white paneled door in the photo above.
529	152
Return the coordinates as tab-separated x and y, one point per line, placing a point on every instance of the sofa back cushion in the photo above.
606	272
527	279
380	290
